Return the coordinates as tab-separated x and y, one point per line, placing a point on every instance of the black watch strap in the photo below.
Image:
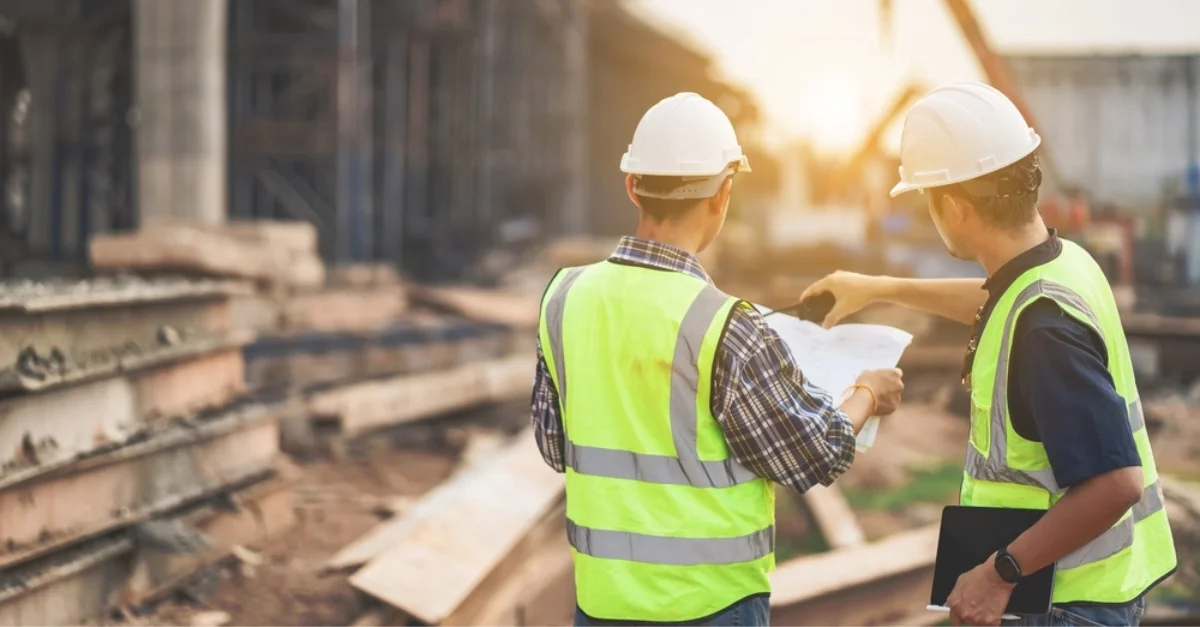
1007	566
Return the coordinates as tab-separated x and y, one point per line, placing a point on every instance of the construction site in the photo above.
297	249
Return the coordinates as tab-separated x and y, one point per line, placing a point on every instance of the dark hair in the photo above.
663	209
1005	199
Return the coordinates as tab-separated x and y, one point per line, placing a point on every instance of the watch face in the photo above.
1007	567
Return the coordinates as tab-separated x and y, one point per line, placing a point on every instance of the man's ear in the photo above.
954	209
717	203
629	181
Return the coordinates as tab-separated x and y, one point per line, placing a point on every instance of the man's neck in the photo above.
1005	247
670	233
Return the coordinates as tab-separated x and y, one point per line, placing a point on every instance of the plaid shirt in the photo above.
777	425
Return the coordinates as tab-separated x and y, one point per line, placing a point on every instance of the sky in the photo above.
823	70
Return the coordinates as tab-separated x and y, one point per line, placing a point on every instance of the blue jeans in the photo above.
752	611
1070	614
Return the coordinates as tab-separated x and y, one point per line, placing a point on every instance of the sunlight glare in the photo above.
835	117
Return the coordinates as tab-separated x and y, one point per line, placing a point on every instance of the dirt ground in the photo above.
335	502
920	445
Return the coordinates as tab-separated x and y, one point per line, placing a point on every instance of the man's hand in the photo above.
888	386
980	596
850	290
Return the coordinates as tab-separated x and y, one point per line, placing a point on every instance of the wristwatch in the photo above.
1007	566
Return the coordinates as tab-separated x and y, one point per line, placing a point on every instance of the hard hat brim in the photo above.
903	188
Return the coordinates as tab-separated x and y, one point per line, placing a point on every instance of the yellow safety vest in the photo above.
1004	469
664	525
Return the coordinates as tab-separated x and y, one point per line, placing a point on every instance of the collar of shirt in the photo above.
999	282
651	254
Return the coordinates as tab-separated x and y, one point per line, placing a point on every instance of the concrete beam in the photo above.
50	427
51	507
84	582
179	91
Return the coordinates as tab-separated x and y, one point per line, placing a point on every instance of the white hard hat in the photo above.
684	135
960	132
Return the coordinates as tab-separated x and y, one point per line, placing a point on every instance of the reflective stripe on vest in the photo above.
686	469
995	469
638	547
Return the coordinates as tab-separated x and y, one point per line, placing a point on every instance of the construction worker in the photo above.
672	407
1056	421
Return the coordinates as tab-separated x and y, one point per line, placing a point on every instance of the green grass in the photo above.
933	485
810	543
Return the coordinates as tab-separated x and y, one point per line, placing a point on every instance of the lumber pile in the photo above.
123	415
487	547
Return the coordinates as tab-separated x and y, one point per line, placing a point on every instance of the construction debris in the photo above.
431	573
124	405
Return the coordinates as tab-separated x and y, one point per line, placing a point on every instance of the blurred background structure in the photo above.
419	132
276	267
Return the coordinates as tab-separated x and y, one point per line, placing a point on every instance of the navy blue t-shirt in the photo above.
1060	391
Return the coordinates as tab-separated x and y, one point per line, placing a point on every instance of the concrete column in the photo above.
575	55
179	91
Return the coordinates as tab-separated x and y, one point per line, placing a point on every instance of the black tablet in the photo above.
969	535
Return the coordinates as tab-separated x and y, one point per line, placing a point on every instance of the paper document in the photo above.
832	359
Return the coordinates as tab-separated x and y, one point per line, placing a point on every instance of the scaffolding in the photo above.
425	133
407	131
66	168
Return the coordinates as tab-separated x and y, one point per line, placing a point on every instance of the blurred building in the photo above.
1123	132
424	132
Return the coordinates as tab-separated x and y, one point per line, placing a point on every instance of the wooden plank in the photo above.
363	275
479	450
512	593
479	304
51	506
864	585
80	333
348	310
73	587
1155	325
188	248
366	406
834	516
432	571
51	426
264	510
